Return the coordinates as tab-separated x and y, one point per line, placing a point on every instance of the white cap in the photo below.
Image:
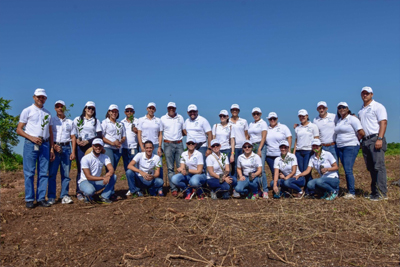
151	104
39	92
342	104
224	112
235	106
129	106
90	104
192	107
316	142
112	107
302	112
284	143
60	102
247	142
171	104
368	89
256	109
322	103
98	141
272	115
190	139
215	142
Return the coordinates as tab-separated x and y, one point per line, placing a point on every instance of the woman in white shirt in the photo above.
240	129
348	131
223	132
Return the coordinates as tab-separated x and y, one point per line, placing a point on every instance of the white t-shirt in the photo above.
88	130
274	137
326	127
249	165
305	135
145	164
256	129
326	160
285	165
94	164
370	116
195	159
112	131
150	129
172	127
211	161
34	118
62	129
346	131
238	129
131	140
197	129
223	134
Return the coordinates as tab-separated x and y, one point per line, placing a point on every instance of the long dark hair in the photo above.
108	115
84	113
348	112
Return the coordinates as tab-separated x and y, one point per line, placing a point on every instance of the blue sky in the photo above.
278	55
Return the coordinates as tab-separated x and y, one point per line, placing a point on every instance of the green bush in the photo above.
11	162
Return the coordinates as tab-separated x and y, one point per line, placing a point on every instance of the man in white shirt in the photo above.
373	117
38	148
172	128
130	146
63	135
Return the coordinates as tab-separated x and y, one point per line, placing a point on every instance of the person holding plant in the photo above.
348	131
324	162
38	148
146	176
240	129
218	178
87	127
149	128
63	136
130	146
190	175
249	169
223	132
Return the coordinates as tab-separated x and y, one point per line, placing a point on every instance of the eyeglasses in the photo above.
272	119
59	106
247	146
91	108
216	145
256	114
152	108
190	144
223	116
129	110
341	107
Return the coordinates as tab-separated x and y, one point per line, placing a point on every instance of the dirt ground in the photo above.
166	231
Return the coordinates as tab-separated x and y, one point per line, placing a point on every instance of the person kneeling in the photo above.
91	180
146	176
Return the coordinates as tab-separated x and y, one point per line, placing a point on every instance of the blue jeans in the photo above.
303	158
203	151
270	161
291	183
348	155
185	182
238	152
324	184
137	183
127	157
114	156
88	188
61	160
264	181
332	150
243	187
214	184
80	153
172	153
40	157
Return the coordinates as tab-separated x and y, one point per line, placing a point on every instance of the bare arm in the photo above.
289	139
73	141
159	150
307	171
139	137
382	131
21	132
198	171
210	170
246	134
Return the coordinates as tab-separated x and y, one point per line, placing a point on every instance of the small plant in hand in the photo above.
153	169
45	121
80	128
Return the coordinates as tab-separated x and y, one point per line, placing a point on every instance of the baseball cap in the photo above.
171	104
129	106
322	103
247	142
112	107
235	106
59	102
90	104
151	104
190	139
215	142
272	115
192	107
342	104
224	112
39	92
256	109
302	112
367	88
283	143
316	142
98	141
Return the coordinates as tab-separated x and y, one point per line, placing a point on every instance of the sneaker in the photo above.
265	195
128	193
104	200
30	205
174	193
235	194
51	201
115	197
44	203
299	195
137	194
332	196
325	195
276	196
80	197
66	200
213	195
226	195
254	197
378	198
189	195
349	196
200	197
160	193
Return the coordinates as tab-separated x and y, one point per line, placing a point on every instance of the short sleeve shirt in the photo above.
274	137
256	129
305	135
172	127
238	129
285	165
88	130
325	161
112	131
62	129
94	164
150	129
211	161
326	127
197	129
131	138
193	161
34	118
346	131
145	164
370	116
249	165
223	134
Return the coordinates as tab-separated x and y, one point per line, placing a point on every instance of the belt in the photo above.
173	142
329	144
369	137
62	144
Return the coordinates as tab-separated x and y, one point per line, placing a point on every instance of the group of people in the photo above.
227	158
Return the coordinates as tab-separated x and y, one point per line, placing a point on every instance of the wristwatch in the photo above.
380	138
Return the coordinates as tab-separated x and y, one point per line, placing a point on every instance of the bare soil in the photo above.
154	231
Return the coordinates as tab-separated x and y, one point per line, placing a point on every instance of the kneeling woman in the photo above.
249	170
218	178
190	177
324	162
286	173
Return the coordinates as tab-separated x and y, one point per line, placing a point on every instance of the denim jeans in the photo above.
185	182
291	183
88	188
332	150
238	152
137	183
80	153
127	156
348	155
214	184
173	154
244	187
114	156
31	159
324	184
264	182
303	158
270	161
61	160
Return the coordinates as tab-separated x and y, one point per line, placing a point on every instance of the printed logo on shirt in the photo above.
258	126
309	129
278	130
196	123
369	110
226	129
93	122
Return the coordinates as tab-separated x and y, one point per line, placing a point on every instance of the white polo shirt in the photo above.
62	129
146	164
326	160
274	137
193	161
112	131
94	164
305	135
89	129
150	129
223	134
346	131
238	128
326	127
370	116
211	161
172	127
249	165
131	140
285	165
256	129
197	129
34	117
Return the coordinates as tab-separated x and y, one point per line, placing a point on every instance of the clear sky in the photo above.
278	55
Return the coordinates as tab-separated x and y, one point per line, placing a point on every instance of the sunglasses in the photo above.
234	110
272	119
91	108
223	116
248	146
256	114
59	106
216	145
129	110
190	144
341	107
152	108
97	145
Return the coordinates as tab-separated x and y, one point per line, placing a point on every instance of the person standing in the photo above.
373	119
38	148
149	129
240	129
172	127
223	132
129	147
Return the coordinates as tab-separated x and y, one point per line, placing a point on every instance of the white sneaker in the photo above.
265	195
66	200
128	193
235	194
349	196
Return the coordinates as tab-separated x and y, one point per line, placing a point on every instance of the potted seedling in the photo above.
45	121
152	170
186	166
225	173
80	124
131	118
